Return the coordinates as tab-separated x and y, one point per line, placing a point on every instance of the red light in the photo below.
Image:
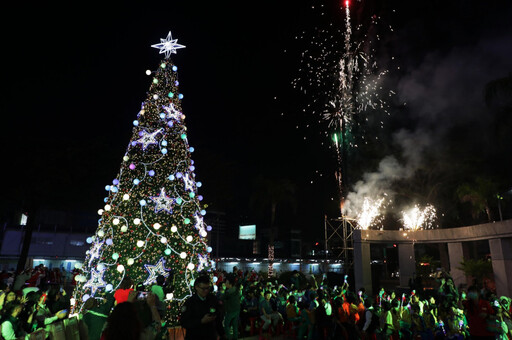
394	245
316	244
346	3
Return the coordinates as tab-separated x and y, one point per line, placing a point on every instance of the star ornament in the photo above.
95	282
172	112
148	138
163	202
168	45
155	270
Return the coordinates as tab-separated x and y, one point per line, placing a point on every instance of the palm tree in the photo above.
478	194
268	194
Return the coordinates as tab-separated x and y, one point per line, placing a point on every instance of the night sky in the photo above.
74	80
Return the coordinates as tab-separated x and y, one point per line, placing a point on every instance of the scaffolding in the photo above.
339	241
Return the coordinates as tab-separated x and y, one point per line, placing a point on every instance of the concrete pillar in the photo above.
406	263
501	254
362	267
457	253
443	256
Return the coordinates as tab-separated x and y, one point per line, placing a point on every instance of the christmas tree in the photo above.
152	222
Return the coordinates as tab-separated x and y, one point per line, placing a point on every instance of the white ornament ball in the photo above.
100	266
101	233
148	72
190	266
115	221
107	207
100	212
130	262
126	197
169	296
124	229
136	221
109	287
157	226
163	240
189	238
183	255
140	243
120	268
174	229
126	158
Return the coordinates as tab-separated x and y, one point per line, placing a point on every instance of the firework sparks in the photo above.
339	74
416	218
369	212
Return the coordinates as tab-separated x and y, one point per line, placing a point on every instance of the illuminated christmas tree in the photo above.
152	222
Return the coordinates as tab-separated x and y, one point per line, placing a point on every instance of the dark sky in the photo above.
74	79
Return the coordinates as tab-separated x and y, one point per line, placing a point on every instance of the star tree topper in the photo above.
168	45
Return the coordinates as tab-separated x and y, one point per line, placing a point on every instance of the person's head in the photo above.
91	303
473	293
160	280
267	295
127	283
230	280
202	286
505	302
123	323
291	299
11	296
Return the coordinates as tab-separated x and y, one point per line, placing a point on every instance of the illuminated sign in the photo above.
247	232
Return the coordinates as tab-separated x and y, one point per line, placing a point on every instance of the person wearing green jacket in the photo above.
231	300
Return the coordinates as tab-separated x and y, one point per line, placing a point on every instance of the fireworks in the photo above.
415	218
369	212
340	75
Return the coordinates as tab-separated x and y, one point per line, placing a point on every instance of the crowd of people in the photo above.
31	300
311	308
239	304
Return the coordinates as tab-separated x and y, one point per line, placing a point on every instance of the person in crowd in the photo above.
57	299
95	313
121	294
43	315
478	313
295	280
201	314
249	308
231	300
21	279
371	321
11	327
269	315
123	323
